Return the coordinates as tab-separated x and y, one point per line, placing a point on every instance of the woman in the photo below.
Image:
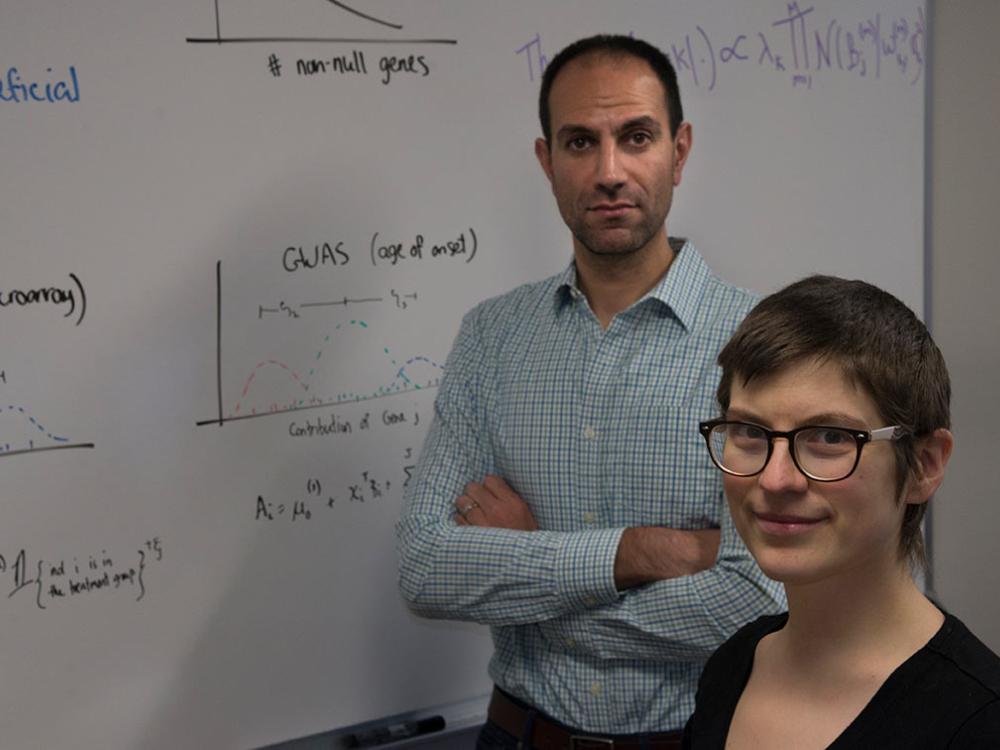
834	436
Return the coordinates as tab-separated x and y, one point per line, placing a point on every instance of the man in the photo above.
561	496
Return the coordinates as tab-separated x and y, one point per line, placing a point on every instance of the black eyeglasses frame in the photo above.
861	438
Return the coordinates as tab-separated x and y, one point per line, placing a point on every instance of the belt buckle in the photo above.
583	741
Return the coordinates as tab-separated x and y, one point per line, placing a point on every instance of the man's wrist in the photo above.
655	553
586	563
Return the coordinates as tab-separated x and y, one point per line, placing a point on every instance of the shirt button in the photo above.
589	432
570	643
590	601
595	689
588	517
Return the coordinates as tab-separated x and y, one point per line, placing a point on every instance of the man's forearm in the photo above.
502	577
654	553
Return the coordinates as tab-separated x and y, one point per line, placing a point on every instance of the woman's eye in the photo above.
832	437
827	439
746	432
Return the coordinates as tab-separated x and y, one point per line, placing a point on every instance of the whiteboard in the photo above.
238	237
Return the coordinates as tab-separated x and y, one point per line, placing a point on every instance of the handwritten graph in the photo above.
348	365
22	432
330	14
415	373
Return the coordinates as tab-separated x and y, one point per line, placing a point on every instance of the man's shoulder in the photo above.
722	309
720	304
728	298
731	293
516	305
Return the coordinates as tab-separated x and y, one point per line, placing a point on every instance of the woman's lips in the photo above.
779	524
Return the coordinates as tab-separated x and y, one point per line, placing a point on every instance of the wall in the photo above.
964	188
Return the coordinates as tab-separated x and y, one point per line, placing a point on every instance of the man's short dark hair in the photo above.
615	46
881	346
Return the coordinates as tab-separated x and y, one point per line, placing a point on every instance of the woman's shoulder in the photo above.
753	631
740	646
962	677
970	659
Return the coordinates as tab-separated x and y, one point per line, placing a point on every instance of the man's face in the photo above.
800	530
612	162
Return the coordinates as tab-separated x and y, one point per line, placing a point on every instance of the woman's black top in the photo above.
947	695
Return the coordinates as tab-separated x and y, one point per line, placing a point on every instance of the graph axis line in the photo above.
46	448
311	40
330	404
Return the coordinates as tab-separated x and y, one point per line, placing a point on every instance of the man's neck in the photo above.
612	283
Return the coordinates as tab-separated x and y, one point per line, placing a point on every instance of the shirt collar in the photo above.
566	288
680	290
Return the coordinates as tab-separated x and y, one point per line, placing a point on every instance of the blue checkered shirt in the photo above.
597	430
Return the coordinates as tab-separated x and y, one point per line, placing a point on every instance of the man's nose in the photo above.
610	175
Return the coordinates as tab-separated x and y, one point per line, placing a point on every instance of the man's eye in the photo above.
578	144
639	139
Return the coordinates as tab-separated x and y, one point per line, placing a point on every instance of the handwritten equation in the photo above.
319	499
799	44
53	581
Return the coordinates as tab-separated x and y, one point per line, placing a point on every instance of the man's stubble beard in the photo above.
638	238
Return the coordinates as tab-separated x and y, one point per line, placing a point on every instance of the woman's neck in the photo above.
876	622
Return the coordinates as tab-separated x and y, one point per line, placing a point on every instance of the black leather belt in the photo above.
513	717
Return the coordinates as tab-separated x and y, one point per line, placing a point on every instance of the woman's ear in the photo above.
933	452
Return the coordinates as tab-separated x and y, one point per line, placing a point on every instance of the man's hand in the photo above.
653	553
493	504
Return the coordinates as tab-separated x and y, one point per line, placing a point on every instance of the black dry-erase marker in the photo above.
403	730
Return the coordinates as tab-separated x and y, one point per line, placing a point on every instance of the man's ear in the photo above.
933	452
683	142
544	156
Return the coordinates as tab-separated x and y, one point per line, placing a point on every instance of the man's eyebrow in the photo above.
645	122
570	130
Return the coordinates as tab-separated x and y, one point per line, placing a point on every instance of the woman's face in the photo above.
800	530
